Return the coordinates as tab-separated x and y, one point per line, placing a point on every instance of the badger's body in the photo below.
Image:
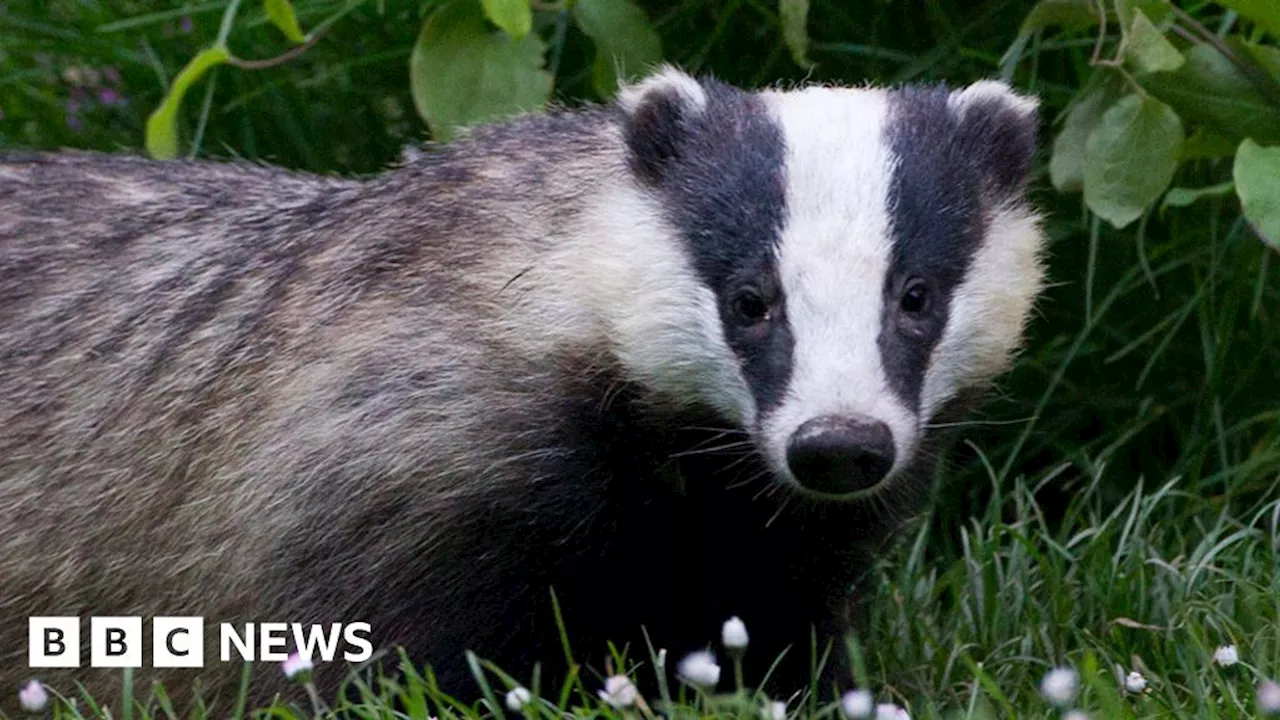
675	358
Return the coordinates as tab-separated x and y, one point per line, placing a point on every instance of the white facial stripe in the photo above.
988	309
665	323
834	255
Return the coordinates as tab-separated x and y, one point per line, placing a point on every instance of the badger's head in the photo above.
837	265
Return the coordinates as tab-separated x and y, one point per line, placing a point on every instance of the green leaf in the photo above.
626	44
515	17
462	73
794	15
1130	158
1257	176
1266	13
1265	55
1182	197
162	125
1204	144
1211	90
1070	14
281	14
1159	12
1148	49
1066	164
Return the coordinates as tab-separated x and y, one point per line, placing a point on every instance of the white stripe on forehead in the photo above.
833	258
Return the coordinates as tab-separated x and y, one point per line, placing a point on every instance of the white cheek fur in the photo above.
662	320
988	310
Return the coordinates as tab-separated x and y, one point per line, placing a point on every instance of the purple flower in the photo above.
33	697
108	96
297	667
185	24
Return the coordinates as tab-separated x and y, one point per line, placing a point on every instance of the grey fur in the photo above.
249	394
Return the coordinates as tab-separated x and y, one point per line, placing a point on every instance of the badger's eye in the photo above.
915	299
750	307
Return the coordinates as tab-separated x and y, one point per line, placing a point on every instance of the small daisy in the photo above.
619	691
1060	686
1135	683
857	704
33	697
775	710
296	667
517	698
1226	656
699	668
734	634
1269	698
889	711
1076	715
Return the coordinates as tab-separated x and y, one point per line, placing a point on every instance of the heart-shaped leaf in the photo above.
1257	176
1130	158
1148	49
461	72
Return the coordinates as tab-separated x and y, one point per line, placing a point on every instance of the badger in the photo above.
626	370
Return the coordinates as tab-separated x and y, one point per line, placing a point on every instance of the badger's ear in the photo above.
659	111
1001	128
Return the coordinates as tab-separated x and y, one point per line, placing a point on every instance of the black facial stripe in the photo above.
936	223
720	175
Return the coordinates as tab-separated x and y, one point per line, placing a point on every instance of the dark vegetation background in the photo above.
1155	356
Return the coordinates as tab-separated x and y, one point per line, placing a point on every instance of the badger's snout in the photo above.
836	455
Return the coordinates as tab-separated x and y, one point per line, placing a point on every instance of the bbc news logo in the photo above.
178	642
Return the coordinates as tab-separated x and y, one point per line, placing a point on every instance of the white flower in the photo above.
1135	683
699	668
619	691
296	667
857	704
1060	686
33	697
775	710
517	698
1075	715
889	711
1269	698
734	634
1226	656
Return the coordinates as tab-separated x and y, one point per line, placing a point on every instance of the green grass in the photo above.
1154	582
1114	507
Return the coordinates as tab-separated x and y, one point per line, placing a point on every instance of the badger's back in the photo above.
242	393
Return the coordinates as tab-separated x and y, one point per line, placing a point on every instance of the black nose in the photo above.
836	455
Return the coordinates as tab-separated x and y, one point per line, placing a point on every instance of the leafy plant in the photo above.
474	61
1166	92
162	125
